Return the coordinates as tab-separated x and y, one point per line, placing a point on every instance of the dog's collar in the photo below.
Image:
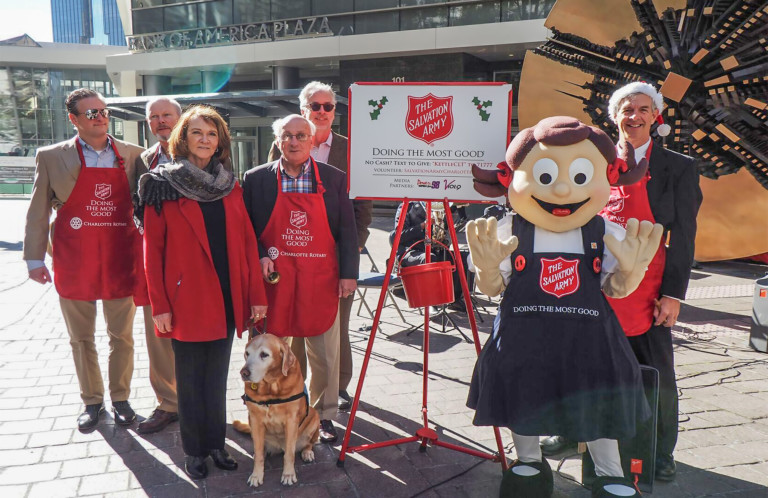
277	401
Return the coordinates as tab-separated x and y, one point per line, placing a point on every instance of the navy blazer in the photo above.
674	196
260	195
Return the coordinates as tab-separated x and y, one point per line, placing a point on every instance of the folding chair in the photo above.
374	280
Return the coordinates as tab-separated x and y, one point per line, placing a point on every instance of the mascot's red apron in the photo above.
96	243
635	312
305	301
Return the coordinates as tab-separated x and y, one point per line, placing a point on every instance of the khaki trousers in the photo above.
345	348
162	366
322	354
80	318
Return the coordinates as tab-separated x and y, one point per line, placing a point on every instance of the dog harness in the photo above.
277	401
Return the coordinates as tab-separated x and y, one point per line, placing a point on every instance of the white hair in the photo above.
277	126
627	91
312	88
154	100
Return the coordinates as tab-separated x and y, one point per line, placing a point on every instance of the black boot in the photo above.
612	487
527	480
195	467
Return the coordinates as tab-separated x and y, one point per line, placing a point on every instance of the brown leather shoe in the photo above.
157	421
328	432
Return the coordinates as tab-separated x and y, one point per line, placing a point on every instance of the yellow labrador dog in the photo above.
279	415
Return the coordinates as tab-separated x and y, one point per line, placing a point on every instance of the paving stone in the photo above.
59	488
23	456
65	452
14	491
84	466
104	483
27	474
13	442
50	438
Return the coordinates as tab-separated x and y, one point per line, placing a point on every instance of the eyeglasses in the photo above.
94	113
301	137
327	107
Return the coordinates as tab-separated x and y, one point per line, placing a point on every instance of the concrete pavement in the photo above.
722	449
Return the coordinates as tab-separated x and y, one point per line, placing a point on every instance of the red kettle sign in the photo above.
429	118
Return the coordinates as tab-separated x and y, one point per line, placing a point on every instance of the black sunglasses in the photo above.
327	107
93	113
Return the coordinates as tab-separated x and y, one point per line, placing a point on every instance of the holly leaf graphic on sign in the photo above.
482	108
377	107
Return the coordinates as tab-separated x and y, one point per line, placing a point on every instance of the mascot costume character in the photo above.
557	361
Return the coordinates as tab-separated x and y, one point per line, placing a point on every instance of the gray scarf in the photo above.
181	178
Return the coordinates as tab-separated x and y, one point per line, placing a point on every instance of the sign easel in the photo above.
408	143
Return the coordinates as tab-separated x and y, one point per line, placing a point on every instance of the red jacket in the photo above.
180	272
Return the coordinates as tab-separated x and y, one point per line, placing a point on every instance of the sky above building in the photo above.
32	17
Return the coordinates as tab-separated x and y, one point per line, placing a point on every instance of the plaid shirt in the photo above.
302	184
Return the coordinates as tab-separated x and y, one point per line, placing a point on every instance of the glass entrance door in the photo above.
245	153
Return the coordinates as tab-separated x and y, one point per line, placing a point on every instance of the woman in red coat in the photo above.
203	273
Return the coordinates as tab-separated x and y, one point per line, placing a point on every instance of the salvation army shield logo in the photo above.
615	203
429	118
298	218
103	190
559	276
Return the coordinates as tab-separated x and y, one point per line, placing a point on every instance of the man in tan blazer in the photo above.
162	115
89	180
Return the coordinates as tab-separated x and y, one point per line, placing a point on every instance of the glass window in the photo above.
218	13
147	21
519	10
377	23
375	4
322	7
436	17
251	11
181	17
482	13
288	9
146	3
342	25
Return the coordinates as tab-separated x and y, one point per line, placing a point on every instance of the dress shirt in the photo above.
322	151
301	184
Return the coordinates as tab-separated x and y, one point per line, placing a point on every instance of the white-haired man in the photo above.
669	194
318	104
305	226
162	115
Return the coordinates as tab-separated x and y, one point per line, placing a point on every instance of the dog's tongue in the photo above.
561	212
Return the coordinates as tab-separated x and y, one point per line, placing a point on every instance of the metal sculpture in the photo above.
710	58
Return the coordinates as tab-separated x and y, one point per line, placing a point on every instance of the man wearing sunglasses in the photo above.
318	104
89	181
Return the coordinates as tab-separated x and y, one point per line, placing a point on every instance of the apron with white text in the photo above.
95	242
305	301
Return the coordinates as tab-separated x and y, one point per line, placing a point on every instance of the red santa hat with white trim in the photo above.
634	88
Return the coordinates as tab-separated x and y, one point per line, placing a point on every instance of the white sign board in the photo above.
420	140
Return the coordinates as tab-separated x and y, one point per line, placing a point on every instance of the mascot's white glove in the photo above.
633	254
487	254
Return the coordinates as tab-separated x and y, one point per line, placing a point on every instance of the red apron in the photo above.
305	301
635	312
96	244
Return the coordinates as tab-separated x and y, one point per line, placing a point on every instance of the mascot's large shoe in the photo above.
527	480
613	487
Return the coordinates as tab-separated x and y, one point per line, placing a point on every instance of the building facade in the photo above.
231	46
90	22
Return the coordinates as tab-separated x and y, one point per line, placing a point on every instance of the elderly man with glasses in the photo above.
318	104
305	226
89	181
